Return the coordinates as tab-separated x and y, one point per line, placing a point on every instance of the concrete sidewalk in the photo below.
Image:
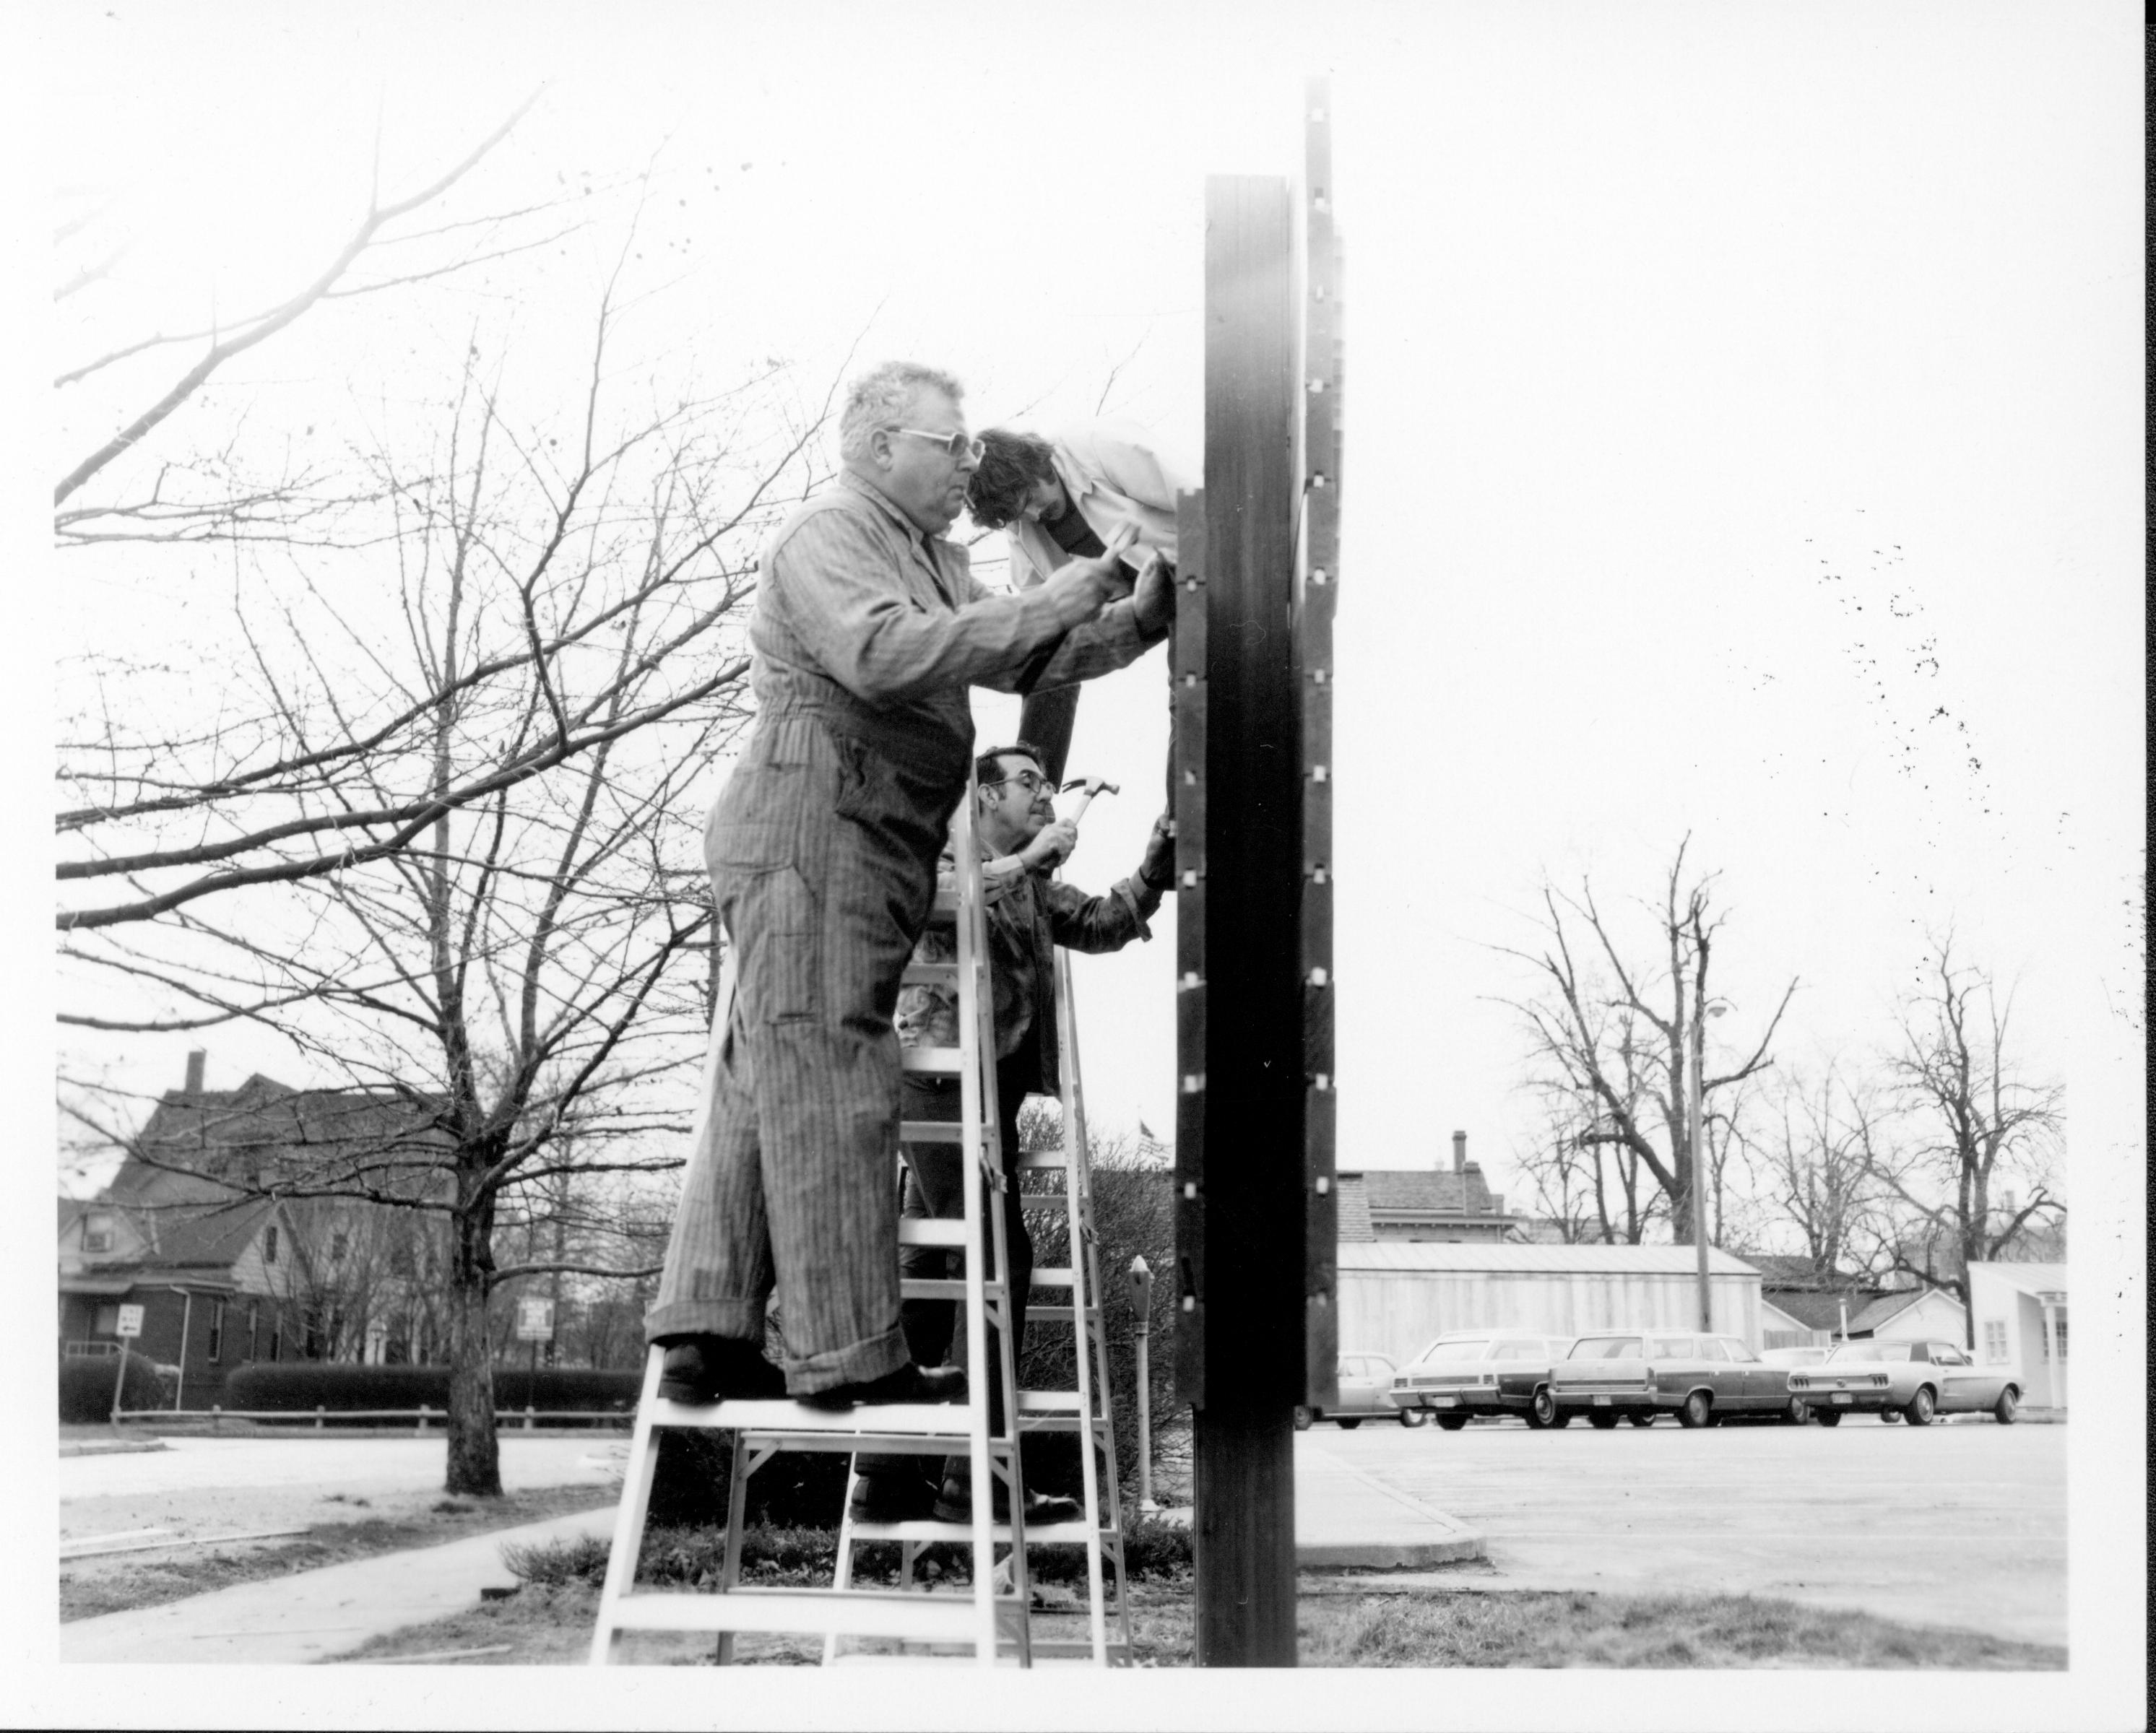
1347	1518
313	1615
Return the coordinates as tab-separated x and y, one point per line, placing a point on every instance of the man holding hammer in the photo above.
1021	842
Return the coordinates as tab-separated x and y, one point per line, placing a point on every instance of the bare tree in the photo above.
443	819
1598	1034
1968	1121
197	495
1810	1165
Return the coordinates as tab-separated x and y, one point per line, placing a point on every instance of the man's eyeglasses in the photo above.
1031	781
956	446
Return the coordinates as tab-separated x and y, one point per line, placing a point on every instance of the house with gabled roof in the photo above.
225	1274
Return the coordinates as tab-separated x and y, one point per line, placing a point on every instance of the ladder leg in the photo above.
740	1467
628	1520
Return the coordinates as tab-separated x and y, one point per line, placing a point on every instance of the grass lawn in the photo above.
548	1623
115	1583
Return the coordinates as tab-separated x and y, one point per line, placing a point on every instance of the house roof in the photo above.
1892	1305
1778	1270
1816	1310
1352	1208
270	1119
1425	1190
1438	1257
72	1210
2029	1278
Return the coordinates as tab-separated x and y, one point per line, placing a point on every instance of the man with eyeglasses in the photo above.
1029	913
868	630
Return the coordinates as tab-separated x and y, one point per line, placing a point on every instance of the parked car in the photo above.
1913	1380
1797	1356
1366	1393
1483	1371
1610	1375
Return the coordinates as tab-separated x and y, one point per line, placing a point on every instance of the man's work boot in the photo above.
892	1497
700	1369
910	1383
956	1504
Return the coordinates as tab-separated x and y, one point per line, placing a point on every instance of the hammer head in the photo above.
1087	787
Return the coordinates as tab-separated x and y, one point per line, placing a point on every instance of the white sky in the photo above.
1743	435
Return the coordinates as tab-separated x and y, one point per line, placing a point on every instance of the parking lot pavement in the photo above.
1956	1526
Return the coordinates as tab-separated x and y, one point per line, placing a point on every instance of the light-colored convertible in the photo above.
1915	1380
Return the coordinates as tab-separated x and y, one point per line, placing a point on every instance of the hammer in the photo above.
1087	787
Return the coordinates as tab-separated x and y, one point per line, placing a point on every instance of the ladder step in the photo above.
937	1131
926	1529
1060	1314
906	1614
934	1231
840	1427
1047	1401
933	1061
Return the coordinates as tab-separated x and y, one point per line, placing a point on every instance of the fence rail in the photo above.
422	1417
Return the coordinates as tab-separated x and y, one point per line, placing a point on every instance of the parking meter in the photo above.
1139	1281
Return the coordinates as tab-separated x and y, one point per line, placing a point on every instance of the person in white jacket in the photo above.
1067	496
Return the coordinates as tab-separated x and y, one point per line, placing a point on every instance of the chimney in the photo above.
1459	1152
196	1060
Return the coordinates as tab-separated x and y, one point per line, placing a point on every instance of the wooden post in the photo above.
1251	1171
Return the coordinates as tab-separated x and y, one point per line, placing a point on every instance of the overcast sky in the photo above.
1743	435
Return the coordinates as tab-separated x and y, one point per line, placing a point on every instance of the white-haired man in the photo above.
868	630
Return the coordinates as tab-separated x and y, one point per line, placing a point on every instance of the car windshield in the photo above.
1455	1350
1606	1347
1869	1350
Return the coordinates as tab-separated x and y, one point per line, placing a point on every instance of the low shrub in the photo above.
302	1386
86	1388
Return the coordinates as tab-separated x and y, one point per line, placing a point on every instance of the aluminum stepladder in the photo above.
1083	1412
989	1623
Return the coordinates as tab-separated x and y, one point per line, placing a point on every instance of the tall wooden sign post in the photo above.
1255	1249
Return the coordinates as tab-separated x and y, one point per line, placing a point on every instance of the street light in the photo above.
1714	1008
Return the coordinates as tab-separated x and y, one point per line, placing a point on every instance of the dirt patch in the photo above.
336	1528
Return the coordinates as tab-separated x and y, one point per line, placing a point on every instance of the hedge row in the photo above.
301	1387
86	1388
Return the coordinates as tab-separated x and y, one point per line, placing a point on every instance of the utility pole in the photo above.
1697	1115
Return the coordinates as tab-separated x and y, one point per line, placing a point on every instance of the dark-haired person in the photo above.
868	630
1029	913
1065	497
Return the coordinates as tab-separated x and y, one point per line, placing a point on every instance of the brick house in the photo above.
226	1275
1423	1204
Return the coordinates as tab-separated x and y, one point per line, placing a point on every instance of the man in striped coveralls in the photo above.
868	630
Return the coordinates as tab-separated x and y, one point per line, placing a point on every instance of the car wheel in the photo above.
2005	1409
1889	1416
1303	1418
1698	1410
1640	1419
1348	1425
1415	1417
1603	1420
1563	1419
1451	1423
1922	1406
1828	1417
1799	1412
1542	1411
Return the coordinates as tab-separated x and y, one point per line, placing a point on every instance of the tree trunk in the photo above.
474	1455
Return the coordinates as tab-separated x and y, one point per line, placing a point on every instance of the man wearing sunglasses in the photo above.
868	630
1029	913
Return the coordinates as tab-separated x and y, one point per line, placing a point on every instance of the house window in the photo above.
1994	1340
107	1321
2059	1336
276	1334
216	1330
97	1232
270	1248
253	1331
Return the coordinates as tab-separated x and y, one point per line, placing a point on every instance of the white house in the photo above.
2019	1310
1913	1314
1396	1295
